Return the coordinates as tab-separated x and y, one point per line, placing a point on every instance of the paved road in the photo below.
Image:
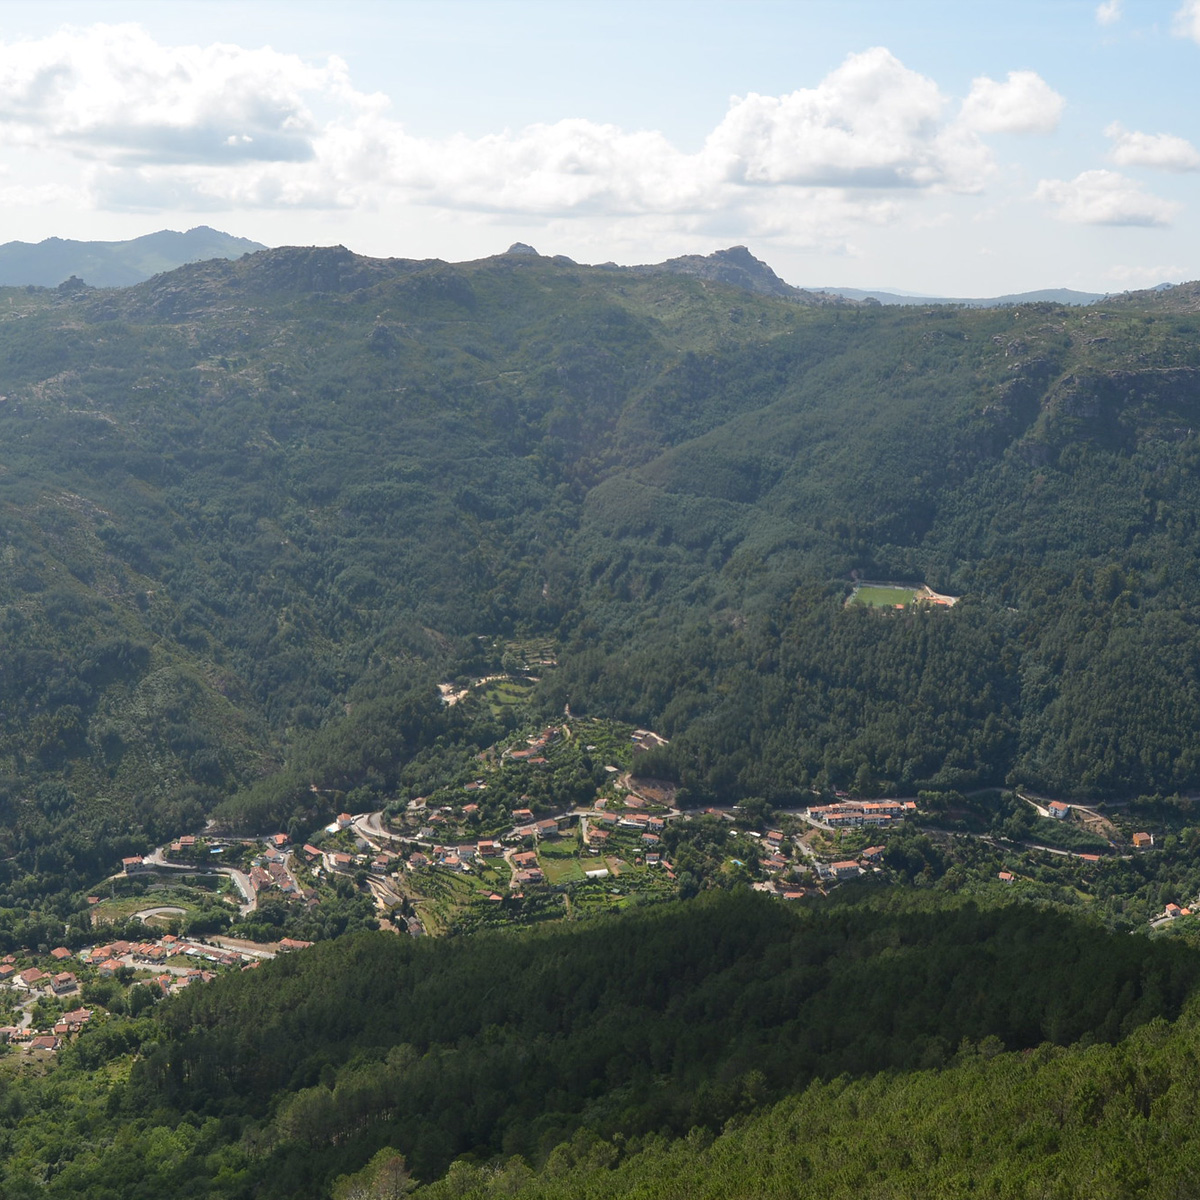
242	880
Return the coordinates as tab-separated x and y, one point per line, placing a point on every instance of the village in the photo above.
50	992
490	850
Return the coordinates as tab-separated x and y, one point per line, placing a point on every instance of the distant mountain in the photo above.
115	264
1046	295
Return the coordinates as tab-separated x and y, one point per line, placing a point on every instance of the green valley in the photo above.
692	723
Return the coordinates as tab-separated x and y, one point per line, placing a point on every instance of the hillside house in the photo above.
1142	841
1058	810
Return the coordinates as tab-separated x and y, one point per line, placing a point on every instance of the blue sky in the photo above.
947	148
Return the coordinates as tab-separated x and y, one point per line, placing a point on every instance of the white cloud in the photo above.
112	92
1187	20
1165	150
1108	13
870	123
139	126
1024	103
1105	198
871	126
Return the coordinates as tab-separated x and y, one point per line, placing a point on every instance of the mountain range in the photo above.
1043	296
123	263
244	491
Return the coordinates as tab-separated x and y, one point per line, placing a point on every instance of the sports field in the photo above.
884	597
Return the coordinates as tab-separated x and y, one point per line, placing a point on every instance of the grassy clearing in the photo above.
121	908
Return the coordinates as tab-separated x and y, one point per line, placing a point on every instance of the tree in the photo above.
385	1177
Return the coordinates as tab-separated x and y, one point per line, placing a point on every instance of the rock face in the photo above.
737	267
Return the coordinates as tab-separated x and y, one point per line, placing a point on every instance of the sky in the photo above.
930	146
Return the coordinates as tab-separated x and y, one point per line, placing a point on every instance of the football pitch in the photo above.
884	597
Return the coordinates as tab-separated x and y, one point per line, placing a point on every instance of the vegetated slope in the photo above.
252	510
677	1018
1087	1121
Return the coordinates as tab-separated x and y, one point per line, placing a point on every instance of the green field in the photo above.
560	863
883	597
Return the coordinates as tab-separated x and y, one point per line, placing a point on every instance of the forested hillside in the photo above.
252	512
579	1046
